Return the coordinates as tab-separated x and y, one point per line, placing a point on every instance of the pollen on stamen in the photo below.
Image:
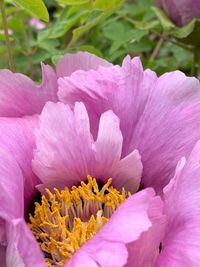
67	219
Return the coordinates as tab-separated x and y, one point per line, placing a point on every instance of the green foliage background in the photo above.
109	29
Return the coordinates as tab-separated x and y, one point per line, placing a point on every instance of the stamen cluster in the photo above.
67	219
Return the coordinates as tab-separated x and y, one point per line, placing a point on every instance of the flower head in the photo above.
108	116
181	11
158	115
96	222
37	24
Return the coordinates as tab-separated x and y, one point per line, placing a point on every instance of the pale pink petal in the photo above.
181	245
20	96
11	187
171	117
17	137
37	24
100	254
11	193
79	61
66	151
22	249
126	168
110	246
145	250
158	116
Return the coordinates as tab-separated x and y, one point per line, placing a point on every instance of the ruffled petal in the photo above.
158	116
110	246
66	151
17	137
181	245
79	61
22	249
20	96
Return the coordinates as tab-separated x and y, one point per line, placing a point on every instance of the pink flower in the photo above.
158	116
102	135
137	221
180	246
20	102
10	32
180	11
37	24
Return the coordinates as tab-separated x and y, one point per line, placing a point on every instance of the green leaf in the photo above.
121	34
90	49
36	8
72	2
105	4
67	21
96	16
164	20
56	58
185	30
171	28
49	45
15	24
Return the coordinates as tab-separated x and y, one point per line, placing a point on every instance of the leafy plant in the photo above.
109	29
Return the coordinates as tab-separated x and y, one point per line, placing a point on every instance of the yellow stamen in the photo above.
67	219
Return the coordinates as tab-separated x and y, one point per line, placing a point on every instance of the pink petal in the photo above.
37	24
181	245
66	151
19	95
17	137
158	116
171	117
11	187
3	256
11	192
79	61
145	250
22	249
108	248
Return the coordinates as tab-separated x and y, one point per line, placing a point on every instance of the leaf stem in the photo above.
195	63
157	48
5	26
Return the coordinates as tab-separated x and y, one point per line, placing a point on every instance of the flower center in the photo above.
67	219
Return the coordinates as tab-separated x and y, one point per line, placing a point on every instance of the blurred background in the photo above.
109	29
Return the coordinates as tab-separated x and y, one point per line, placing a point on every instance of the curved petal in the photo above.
17	137
109	247
11	187
181	244
19	96
66	151
79	61
11	194
158	116
22	249
171	117
145	250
